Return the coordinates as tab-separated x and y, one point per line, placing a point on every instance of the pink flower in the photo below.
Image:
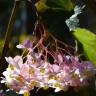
26	44
25	73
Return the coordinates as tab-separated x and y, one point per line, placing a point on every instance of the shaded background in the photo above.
53	13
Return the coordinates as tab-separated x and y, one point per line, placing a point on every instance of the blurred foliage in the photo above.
43	5
1	45
88	40
5	5
65	4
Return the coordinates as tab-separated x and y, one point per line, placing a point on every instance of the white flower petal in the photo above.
9	60
77	72
57	89
20	46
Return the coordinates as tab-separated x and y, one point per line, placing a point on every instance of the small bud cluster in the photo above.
33	69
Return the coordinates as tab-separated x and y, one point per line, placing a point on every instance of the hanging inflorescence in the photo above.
35	69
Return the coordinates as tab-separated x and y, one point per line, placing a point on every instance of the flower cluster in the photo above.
33	69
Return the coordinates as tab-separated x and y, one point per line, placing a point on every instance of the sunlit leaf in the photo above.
88	40
41	6
66	4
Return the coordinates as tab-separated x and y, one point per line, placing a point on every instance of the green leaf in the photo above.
88	40
67	4
43	5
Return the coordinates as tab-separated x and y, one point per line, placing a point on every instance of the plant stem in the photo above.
8	36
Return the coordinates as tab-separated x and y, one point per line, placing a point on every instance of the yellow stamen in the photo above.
11	66
27	93
33	83
74	76
50	76
7	84
42	70
11	76
58	85
56	77
45	87
31	70
33	61
19	78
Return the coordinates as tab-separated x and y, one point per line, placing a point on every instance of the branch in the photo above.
8	36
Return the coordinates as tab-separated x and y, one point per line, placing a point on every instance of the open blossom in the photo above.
22	75
26	44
